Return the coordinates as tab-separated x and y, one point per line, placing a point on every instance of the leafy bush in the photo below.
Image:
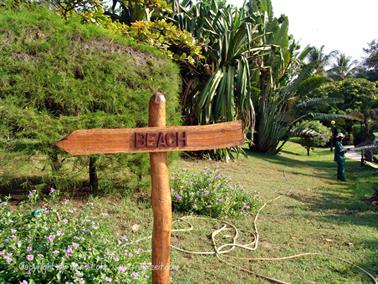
209	193
47	245
312	133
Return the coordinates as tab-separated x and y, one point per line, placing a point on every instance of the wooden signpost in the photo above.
157	139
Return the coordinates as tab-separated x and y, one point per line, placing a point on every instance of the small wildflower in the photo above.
8	259
94	227
51	237
13	231
59	233
122	269
23	282
69	249
178	196
29	249
30	257
75	245
134	274
55	252
124	238
52	190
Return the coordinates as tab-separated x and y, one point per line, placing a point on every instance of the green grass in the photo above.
316	213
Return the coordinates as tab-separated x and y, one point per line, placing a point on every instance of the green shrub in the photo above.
65	245
57	76
311	133
209	193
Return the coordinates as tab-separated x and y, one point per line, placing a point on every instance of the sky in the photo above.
344	25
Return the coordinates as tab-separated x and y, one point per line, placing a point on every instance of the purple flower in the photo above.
1	252
30	257
8	259
75	245
178	196
95	227
207	192
23	282
69	249
134	274
124	238
59	233
14	237
55	252
52	190
29	249
51	237
84	230
122	269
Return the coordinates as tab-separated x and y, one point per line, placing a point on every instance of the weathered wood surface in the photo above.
153	139
160	198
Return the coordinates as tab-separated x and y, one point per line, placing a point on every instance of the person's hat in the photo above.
340	135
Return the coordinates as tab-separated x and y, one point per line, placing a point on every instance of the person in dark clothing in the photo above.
340	157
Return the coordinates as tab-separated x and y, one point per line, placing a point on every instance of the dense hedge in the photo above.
57	76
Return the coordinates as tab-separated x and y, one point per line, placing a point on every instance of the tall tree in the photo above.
369	66
321	59
343	68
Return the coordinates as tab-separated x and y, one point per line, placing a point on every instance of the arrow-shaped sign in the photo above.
153	139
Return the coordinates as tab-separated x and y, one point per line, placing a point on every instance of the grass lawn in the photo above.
315	213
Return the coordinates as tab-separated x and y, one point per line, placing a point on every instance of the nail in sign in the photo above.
157	139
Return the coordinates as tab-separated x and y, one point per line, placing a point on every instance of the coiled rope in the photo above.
224	249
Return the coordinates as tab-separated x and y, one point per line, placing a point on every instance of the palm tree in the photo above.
222	88
321	59
343	68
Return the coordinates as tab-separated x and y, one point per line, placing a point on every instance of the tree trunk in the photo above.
366	127
55	163
264	79
308	151
93	179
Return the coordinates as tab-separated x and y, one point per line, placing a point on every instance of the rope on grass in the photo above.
224	249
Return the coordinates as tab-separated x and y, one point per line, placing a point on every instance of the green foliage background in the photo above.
57	76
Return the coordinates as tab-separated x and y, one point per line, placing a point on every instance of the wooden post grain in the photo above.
161	198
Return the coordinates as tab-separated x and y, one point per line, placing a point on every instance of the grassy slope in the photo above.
318	215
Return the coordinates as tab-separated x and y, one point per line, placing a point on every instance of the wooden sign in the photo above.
153	139
157	140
